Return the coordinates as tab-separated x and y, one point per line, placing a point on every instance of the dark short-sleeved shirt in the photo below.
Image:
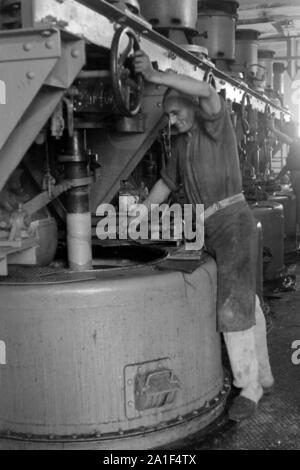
206	163
206	160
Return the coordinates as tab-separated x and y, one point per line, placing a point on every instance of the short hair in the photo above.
188	100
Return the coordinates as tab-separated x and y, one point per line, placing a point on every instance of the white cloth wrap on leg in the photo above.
249	359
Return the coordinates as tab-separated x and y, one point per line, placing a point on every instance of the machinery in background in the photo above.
217	21
108	346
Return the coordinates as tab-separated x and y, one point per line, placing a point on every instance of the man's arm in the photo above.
210	99
158	195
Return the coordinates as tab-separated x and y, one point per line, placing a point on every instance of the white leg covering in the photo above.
244	364
264	369
249	357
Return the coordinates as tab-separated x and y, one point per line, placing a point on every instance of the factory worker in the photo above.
205	161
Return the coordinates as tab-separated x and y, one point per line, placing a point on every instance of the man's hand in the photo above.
137	210
142	64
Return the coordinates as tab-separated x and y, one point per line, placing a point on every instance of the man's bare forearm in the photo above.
158	195
182	83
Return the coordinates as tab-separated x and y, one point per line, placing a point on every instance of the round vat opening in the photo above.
125	256
104	259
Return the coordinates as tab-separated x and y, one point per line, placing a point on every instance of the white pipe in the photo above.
79	227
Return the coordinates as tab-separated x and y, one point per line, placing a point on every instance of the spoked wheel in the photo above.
128	86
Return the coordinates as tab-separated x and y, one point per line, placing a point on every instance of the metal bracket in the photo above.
131	374
25	63
37	66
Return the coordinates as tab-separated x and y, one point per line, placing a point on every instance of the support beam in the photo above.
26	60
36	83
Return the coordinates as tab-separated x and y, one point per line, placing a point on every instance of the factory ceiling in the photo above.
277	21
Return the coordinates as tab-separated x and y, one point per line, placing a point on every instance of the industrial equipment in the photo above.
107	346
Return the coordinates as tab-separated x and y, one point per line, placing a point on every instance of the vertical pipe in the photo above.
292	52
265	60
278	69
79	220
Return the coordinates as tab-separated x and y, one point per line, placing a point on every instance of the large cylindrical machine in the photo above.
288	201
265	70
176	19
246	59
271	216
109	359
170	14
216	29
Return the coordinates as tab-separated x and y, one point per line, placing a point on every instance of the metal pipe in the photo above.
291	51
287	59
278	69
79	219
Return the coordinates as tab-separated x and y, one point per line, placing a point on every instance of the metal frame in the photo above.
96	20
37	66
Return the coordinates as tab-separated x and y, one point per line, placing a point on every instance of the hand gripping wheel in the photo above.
127	85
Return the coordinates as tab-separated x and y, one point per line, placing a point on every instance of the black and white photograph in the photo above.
149	228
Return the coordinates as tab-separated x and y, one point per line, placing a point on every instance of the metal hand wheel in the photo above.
127	85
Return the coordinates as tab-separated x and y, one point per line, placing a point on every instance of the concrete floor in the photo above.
276	423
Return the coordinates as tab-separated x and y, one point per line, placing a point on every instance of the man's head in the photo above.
181	110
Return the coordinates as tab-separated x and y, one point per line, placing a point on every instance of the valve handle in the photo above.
127	86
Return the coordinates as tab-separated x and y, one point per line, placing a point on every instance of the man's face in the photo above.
181	114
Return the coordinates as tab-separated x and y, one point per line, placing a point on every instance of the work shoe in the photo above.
241	409
267	385
268	390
